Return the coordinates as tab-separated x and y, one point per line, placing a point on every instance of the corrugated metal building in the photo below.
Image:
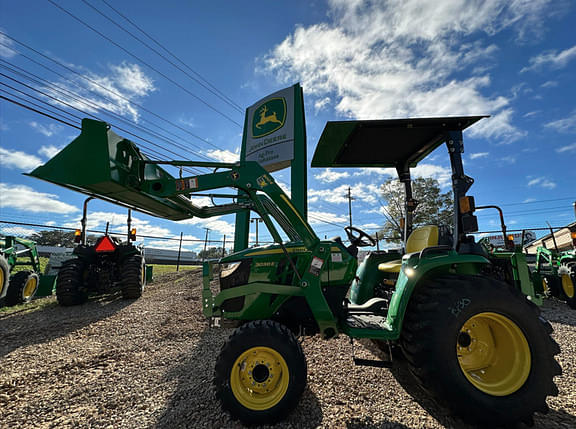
563	239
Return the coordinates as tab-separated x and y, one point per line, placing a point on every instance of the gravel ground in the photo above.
149	363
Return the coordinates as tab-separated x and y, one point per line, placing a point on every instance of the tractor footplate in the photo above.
366	321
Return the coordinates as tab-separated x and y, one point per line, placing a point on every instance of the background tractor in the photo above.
475	343
106	266
18	287
556	270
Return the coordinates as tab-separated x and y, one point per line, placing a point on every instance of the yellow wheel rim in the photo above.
493	354
567	285
259	378
30	287
2	278
544	285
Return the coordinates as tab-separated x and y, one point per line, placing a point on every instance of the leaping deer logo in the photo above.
265	119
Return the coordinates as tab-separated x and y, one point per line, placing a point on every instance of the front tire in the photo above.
260	373
133	277
4	276
480	349
70	289
22	288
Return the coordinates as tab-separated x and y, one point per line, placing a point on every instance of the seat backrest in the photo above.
421	238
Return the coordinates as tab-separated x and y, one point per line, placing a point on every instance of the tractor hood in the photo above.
384	143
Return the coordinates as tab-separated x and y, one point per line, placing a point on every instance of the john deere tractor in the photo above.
18	287
556	270
106	266
474	342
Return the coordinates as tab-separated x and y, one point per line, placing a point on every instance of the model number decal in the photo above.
459	306
183	184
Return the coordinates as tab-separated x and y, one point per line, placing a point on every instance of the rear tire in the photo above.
552	285
260	373
22	288
480	349
133	277
569	284
70	289
4	276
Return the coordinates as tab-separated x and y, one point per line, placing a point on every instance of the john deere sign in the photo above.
275	136
269	118
269	138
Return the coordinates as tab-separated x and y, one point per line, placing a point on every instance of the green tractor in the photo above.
19	287
556	270
106	266
475	343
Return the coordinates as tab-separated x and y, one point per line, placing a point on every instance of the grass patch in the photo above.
36	304
162	269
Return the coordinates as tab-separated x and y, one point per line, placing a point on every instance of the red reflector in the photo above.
105	244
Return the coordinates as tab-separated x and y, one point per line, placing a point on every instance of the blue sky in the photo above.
513	60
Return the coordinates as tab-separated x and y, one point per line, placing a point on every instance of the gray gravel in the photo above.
149	363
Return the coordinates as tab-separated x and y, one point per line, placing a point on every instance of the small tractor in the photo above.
18	287
556	270
106	266
475	343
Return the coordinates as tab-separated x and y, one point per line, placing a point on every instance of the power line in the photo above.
93	105
145	63
93	82
39	112
77	98
214	91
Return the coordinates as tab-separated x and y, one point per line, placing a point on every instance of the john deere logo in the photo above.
269	117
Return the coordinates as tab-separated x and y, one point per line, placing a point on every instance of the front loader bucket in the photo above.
102	164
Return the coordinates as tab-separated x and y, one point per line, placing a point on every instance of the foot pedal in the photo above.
374	363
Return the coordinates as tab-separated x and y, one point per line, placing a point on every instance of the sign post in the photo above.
275	136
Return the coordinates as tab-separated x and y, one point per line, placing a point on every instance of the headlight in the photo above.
229	269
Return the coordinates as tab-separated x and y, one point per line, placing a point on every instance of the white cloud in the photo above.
553	59
549	84
118	223
565	125
132	79
217	226
223	155
113	91
16	230
47	130
405	58
567	148
27	199
366	192
49	151
479	155
316	217
329	175
5	45
541	182
18	160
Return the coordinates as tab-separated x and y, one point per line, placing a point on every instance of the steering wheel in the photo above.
358	237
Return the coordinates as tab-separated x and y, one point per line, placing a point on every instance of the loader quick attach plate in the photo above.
384	143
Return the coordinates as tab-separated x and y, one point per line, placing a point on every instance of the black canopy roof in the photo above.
384	143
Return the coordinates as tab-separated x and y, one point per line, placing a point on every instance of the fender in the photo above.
415	270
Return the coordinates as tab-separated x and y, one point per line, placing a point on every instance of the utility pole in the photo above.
350	205
206	242
224	246
179	253
256	220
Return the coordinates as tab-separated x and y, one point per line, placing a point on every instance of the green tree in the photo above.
210	253
434	207
54	237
